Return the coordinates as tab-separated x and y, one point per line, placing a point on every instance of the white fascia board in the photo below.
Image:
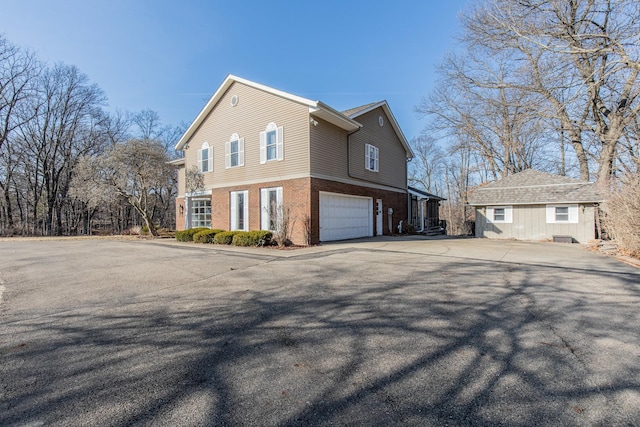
396	127
334	117
366	110
280	93
228	81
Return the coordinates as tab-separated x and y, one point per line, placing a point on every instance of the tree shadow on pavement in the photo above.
437	343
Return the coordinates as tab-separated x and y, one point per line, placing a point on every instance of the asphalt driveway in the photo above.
378	332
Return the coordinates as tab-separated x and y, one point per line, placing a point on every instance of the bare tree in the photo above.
150	127
18	74
194	180
427	168
65	128
137	171
474	105
582	58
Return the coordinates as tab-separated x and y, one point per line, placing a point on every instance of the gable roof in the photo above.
316	108
424	194
344	120
355	110
353	113
531	187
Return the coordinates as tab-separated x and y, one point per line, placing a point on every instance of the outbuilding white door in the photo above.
345	217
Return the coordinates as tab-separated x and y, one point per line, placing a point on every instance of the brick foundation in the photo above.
302	198
180	212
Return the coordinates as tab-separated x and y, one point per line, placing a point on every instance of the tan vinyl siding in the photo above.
254	111
530	223
392	155
181	180
329	155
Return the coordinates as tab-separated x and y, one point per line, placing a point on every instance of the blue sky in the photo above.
170	56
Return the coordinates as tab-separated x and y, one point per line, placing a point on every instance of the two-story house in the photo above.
262	151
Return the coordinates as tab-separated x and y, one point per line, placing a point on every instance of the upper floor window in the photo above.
371	161
205	158
234	151
271	143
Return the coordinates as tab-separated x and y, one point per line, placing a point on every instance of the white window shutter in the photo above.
508	214
280	143
489	215
367	156
241	152
246	210
280	209
263	147
264	208
210	162
551	214
200	160
233	210
573	214
377	160
227	154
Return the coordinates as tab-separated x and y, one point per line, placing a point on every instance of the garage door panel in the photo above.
345	217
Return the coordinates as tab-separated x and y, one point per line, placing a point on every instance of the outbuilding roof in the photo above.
532	187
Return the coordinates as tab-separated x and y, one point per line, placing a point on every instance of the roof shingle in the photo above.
531	187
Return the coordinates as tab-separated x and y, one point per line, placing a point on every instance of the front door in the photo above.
379	217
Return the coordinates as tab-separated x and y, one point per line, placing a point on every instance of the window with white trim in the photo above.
271	143
371	160
500	214
271	208
205	158
199	213
558	214
239	210
234	152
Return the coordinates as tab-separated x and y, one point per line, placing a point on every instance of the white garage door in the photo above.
345	217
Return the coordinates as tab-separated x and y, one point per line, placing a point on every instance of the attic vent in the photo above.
234	100
380	121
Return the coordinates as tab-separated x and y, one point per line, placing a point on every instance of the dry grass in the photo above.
622	211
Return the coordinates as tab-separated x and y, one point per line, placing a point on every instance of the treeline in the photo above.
53	122
545	84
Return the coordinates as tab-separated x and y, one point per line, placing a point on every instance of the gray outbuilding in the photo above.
535	205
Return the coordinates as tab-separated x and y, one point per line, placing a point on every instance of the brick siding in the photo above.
302	198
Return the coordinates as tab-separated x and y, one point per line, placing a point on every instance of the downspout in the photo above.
422	214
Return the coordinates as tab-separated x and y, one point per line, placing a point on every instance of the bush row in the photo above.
221	237
187	235
206	236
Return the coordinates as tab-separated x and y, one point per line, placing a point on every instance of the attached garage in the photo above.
345	217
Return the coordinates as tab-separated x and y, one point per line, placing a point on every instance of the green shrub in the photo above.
226	237
206	236
187	235
253	238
